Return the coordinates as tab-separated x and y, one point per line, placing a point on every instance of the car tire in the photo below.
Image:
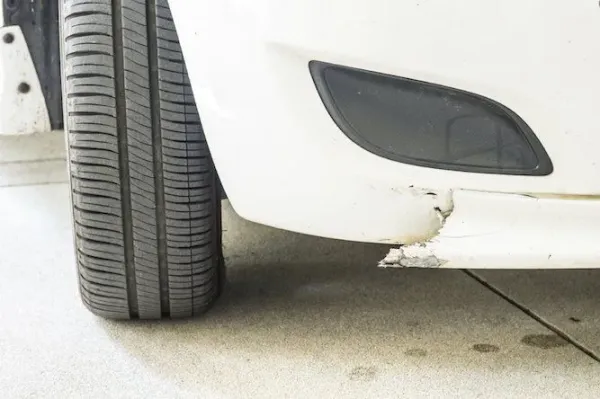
145	194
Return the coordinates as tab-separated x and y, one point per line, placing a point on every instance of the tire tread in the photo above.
145	201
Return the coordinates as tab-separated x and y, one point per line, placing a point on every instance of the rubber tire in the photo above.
145	198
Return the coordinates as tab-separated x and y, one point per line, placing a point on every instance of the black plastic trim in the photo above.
38	20
544	166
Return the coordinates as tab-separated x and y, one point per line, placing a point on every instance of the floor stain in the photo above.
416	352
362	373
544	341
486	348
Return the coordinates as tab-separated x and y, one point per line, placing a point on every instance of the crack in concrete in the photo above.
564	335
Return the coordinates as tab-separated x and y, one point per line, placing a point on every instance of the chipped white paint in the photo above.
22	113
499	231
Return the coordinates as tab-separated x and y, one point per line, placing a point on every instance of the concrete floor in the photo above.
302	317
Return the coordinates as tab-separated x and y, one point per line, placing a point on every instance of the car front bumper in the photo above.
285	163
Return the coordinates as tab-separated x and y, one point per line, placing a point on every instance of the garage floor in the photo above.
302	317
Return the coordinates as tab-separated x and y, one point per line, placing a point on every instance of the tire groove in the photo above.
187	153
161	229
119	73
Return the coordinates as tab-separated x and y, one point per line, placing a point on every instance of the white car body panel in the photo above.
285	163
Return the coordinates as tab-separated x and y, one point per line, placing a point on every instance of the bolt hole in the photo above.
24	87
8	38
11	4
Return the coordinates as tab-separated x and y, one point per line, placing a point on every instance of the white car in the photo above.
466	134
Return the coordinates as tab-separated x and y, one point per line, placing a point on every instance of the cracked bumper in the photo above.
488	230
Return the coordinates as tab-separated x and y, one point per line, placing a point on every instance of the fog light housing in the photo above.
429	125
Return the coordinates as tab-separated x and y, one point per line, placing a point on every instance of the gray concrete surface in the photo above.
302	317
569	300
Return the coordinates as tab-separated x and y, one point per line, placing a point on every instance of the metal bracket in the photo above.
22	104
38	22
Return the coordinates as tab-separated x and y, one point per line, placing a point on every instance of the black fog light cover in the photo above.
428	125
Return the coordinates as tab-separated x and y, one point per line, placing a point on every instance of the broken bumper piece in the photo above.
500	231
